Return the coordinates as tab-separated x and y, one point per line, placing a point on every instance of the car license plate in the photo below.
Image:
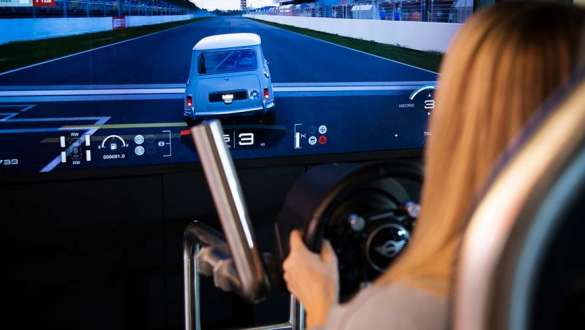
227	98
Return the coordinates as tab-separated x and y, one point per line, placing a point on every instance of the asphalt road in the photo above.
165	58
363	119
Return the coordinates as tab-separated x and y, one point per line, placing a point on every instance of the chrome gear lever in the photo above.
235	265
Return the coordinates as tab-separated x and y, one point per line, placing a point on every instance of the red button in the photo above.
322	139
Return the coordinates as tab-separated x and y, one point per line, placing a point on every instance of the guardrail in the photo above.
26	29
430	36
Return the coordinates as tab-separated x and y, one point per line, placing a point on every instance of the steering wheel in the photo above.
367	212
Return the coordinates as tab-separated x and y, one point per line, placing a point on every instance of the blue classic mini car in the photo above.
229	76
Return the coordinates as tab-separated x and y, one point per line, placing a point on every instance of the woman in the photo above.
504	63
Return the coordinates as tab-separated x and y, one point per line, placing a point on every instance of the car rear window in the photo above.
224	61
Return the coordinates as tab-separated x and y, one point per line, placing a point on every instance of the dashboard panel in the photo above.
395	120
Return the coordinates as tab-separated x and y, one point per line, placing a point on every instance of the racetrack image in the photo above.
164	57
137	87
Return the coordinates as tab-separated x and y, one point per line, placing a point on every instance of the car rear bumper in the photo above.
230	112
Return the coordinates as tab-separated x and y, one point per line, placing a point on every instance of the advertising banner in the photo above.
118	23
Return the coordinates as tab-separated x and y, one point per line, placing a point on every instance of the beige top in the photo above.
392	307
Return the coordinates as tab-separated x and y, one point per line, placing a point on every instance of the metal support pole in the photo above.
432	9
191	281
191	289
297	314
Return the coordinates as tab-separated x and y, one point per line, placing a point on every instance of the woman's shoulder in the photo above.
394	306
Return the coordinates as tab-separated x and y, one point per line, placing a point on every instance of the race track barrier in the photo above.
25	29
427	36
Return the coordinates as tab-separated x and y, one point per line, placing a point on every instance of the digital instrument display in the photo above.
108	84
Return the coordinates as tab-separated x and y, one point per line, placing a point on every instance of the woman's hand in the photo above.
312	278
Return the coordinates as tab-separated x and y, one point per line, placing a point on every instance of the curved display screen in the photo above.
105	84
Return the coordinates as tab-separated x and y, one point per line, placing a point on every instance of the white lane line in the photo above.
89	50
91	98
31	130
11	131
22	107
9	115
355	83
299	89
89	92
27	107
355	50
82	90
57	160
34	120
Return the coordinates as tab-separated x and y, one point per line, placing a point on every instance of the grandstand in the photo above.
454	11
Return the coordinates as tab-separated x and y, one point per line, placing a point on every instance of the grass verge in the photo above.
18	54
421	59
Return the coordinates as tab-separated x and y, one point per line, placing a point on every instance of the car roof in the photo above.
228	41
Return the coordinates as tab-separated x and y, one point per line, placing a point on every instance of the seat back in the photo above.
515	225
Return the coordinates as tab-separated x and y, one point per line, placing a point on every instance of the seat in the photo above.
521	264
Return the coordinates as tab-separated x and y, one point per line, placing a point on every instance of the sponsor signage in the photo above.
44	3
118	22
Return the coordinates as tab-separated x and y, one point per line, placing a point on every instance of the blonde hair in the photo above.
505	61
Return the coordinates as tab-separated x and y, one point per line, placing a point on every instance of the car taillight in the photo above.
189	101
266	93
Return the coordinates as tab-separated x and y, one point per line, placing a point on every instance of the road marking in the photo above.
176	91
99	121
278	87
49	129
342	46
90	50
88	86
32	130
89	92
27	107
9	115
21	107
127	126
298	89
87	127
34	120
356	83
82	98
